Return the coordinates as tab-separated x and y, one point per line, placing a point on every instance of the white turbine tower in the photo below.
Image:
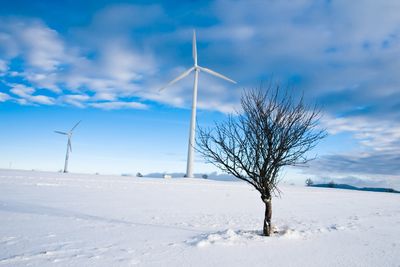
196	68
69	146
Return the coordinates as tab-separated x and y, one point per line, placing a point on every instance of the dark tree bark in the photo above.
267	218
271	132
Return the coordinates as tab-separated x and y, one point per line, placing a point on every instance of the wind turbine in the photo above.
69	146
196	68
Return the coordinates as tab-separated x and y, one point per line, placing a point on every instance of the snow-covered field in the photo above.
53	219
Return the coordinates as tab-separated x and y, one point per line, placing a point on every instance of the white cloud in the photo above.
22	90
376	157
3	67
126	16
375	134
114	73
118	105
42	99
75	100
121	63
44	48
26	96
41	48
320	41
4	97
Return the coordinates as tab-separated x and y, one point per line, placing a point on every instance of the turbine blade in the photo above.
194	48
60	132
75	126
183	75
69	145
216	74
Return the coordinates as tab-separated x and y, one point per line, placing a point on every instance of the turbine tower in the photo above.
196	68
69	146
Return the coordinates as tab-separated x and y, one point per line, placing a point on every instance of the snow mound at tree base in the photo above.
231	237
242	237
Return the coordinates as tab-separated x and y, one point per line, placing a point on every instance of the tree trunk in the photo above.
267	219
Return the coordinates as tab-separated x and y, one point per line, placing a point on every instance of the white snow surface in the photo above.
55	219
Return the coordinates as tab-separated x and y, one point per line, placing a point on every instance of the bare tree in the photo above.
271	131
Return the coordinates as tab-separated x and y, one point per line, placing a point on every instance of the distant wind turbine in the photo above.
196	68
69	146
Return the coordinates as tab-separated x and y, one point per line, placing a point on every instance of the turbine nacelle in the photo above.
70	131
195	67
198	69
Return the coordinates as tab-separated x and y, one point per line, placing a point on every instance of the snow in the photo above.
55	219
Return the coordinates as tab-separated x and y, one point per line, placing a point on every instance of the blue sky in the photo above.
102	62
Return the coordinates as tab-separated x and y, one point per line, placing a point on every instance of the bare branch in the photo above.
272	132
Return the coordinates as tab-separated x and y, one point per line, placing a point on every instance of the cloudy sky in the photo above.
102	62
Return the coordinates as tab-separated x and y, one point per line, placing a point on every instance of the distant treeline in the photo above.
350	187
